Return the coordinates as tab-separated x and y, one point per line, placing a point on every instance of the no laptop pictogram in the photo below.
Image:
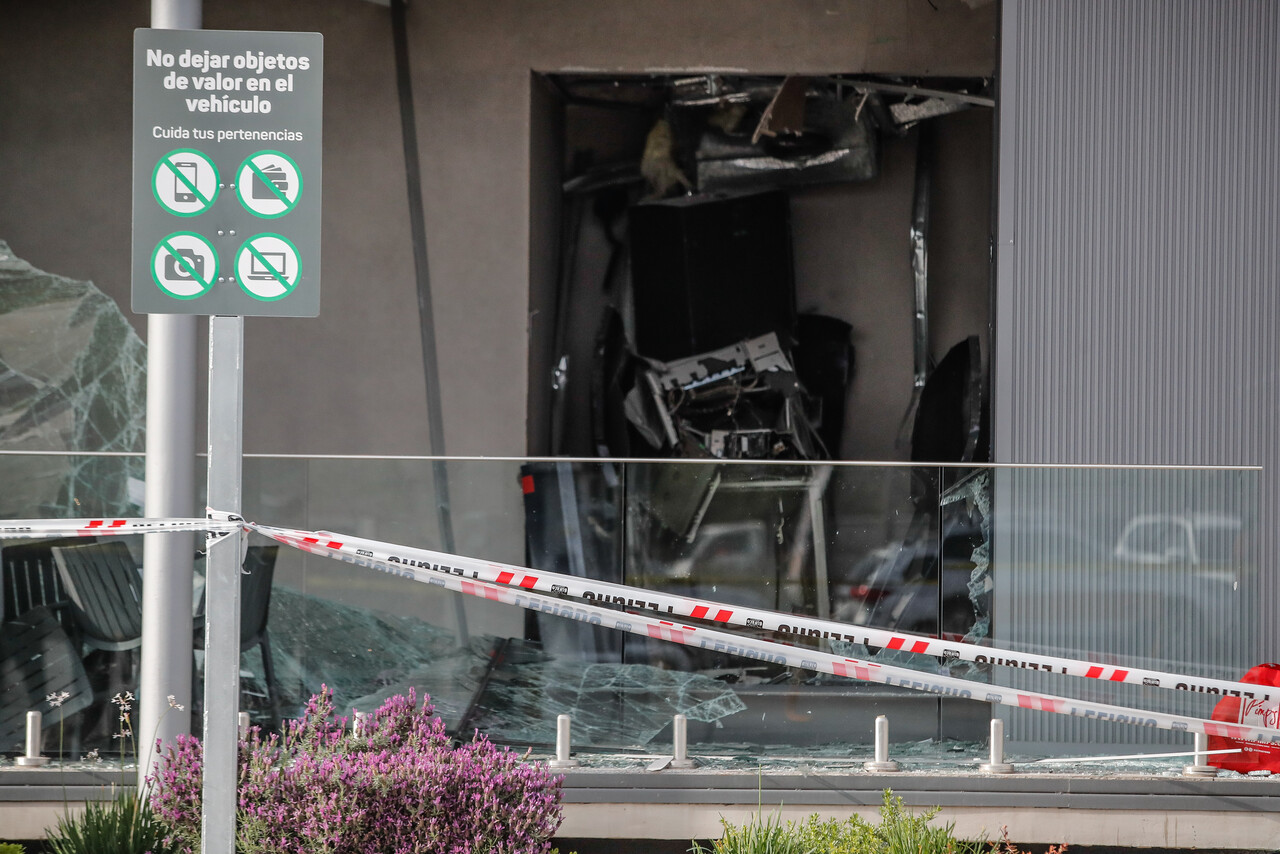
185	182
268	267
269	184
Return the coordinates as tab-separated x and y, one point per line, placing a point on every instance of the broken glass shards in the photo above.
363	656
72	378
613	705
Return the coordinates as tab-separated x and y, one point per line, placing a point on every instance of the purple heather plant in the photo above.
398	786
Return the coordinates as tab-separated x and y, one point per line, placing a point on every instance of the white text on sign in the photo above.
251	66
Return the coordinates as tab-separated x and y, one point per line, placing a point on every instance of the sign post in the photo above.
168	562
226	223
222	589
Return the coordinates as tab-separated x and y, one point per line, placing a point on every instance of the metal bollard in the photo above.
242	723
562	759
1200	766
997	765
358	721
33	757
882	762
680	743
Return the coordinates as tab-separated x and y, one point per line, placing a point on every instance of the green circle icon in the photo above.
185	182
184	265
269	184
268	267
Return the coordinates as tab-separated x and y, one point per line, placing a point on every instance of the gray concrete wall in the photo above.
350	381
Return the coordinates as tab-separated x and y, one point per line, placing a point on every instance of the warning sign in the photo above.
227	133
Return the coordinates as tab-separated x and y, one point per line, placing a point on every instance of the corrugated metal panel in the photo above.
1123	566
1136	304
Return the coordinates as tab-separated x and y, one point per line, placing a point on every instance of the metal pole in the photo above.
167	573
222	588
426	314
882	762
35	734
1200	766
680	743
564	757
997	765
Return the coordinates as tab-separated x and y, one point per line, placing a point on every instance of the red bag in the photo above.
1243	710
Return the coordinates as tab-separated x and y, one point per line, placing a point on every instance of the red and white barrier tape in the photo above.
393	558
16	529
404	560
521	595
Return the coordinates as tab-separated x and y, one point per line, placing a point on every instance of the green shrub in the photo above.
904	833
11	848
760	835
854	835
899	832
125	825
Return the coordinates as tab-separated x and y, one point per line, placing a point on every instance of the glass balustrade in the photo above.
1132	567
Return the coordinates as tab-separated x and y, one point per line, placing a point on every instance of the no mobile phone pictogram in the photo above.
185	182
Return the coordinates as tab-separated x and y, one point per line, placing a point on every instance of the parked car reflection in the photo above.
900	587
1197	539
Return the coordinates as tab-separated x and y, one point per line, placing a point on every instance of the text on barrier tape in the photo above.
16	529
329	545
396	559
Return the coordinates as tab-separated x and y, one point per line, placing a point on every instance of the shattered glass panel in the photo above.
72	378
361	655
612	705
507	688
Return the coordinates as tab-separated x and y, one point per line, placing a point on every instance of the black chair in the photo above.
255	606
38	659
29	579
105	588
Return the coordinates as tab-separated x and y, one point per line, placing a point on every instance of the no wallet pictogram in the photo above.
269	184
